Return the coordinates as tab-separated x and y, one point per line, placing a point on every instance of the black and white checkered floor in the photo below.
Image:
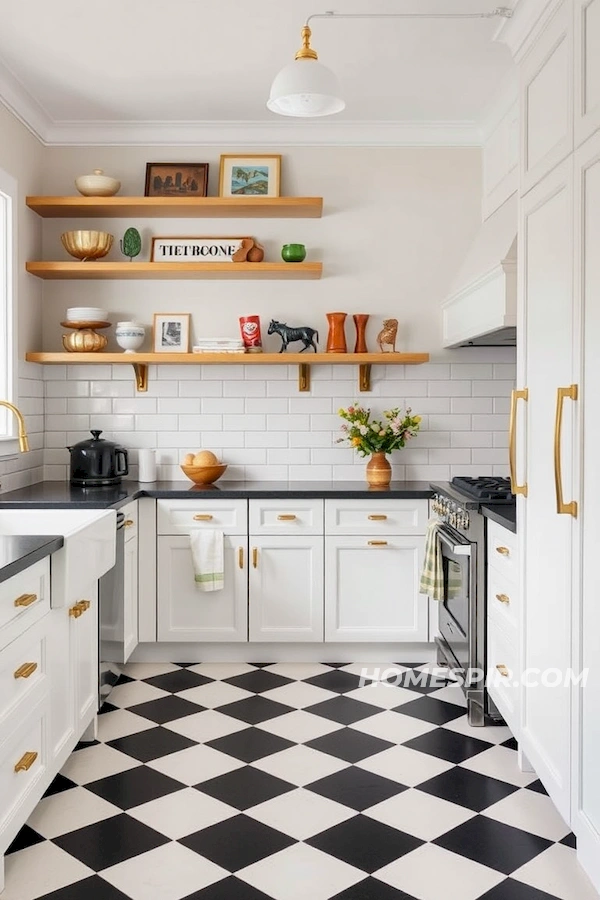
289	781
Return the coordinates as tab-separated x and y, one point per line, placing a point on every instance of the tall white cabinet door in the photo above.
286	588
587	69
187	614
85	660
372	589
587	699
547	294
130	597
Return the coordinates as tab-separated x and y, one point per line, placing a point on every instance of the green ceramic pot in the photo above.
293	252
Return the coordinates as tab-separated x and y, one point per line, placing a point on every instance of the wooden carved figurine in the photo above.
241	254
288	335
387	335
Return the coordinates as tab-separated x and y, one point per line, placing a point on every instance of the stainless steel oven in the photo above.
459	572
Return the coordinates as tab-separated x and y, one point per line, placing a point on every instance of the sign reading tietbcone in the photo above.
195	249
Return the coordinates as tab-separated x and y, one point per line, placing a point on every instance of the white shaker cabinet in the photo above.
130	580
587	69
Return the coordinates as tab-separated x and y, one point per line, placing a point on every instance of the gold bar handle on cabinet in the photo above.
203	517
25	670
512	441
25	599
287	518
562	394
128	523
241	557
75	611
84	605
374	518
503	598
26	761
377	543
504	671
255	557
503	551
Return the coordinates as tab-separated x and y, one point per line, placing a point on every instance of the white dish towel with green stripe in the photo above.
432	575
208	559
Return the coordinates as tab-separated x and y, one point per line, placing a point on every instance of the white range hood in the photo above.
482	307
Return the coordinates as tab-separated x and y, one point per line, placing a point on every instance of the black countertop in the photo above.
504	514
60	494
18	552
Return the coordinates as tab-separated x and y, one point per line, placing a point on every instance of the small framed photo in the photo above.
176	180
253	174
171	332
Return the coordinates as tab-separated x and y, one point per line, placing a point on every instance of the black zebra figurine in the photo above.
289	335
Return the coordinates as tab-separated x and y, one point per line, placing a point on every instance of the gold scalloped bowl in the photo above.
87	244
203	474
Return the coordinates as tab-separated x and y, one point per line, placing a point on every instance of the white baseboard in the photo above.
266	652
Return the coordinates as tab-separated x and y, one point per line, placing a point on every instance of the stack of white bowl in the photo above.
86	314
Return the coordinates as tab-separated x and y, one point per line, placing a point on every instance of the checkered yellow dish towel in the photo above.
432	576
208	559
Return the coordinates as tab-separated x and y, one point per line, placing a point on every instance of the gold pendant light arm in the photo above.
306	51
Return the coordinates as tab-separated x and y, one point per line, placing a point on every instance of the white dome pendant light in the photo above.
306	88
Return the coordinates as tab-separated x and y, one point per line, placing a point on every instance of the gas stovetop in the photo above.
484	488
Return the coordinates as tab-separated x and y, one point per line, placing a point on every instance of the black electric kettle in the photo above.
97	462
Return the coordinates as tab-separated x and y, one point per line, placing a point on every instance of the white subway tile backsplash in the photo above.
54	373
503	371
55	406
429	371
471	439
186	440
310	473
262	473
134	405
325	422
311	439
96	388
219	405
428	405
53	439
283	388
452	457
331	457
71	389
449	389
427	473
501	438
489	457
470	469
488	423
335	388
225	439
287	457
260	372
245	423
288	423
502	406
245	388
472	370
90	405
158	423
473	405
449	423
202	422
493	388
137	440
271	440
273	405
68	422
200	389
88	373
190	405
223	373
309	404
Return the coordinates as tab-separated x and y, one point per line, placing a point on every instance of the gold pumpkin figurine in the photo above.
84	341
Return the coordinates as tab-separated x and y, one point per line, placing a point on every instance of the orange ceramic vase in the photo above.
336	339
360	321
379	470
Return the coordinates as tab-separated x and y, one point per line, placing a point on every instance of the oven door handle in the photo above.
459	549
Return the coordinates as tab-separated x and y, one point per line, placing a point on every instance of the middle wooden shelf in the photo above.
56	271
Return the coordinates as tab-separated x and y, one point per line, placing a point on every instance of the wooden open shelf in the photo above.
54	271
141	361
178	207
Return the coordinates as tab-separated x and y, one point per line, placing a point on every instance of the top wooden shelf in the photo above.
178	207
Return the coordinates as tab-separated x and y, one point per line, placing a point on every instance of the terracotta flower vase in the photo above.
336	339
360	322
379	471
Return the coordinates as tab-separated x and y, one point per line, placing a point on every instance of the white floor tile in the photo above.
133	692
149	670
420	814
182	813
431	873
493	734
532	812
301	814
207	725
500	762
557	872
98	761
300	765
300	872
300	726
392	726
375	671
298	670
120	723
168	873
452	693
68	811
386	696
195	764
40	869
222	670
404	765
217	693
299	694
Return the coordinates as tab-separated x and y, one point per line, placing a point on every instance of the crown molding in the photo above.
15	97
517	31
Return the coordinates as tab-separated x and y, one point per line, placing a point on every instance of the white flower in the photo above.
363	429
374	426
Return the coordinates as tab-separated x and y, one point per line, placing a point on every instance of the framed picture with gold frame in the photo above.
171	332
255	174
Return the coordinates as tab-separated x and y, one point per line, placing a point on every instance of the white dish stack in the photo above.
86	314
219	345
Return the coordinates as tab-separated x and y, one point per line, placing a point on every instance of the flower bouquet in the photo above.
377	437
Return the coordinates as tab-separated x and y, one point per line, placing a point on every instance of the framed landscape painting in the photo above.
255	174
176	180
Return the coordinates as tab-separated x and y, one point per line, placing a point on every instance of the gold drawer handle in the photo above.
128	523
25	599
503	598
25	670
377	518
503	670
562	508
79	608
203	517
287	518
241	557
512	441
84	605
26	761
255	557
377	543
503	551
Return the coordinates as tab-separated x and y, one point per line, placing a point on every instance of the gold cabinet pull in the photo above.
25	599
287	517
503	670
84	605
377	543
562	394
503	551
203	517
26	761
241	557
128	523
255	557
503	598
75	611
25	670
377	518
512	441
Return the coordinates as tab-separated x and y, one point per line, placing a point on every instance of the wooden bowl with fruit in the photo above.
202	467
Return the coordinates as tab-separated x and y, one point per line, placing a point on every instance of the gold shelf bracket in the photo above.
303	377
141	376
364	377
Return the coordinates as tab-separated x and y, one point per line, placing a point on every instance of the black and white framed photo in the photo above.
171	332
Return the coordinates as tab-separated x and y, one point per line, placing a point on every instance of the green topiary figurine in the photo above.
131	243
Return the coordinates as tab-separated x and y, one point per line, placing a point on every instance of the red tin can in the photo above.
250	328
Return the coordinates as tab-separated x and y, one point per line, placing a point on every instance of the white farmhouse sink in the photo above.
89	545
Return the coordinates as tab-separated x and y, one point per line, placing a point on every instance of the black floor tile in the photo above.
344	710
468	789
245	787
429	709
349	744
493	844
259	681
237	842
262	665
134	787
106	708
356	788
254	709
250	744
341	682
509	889
26	837
60	783
151	744
364	843
229	889
166	709
110	841
83	745
124	679
511	744
178	681
570	840
538	787
449	745
94	888
371	889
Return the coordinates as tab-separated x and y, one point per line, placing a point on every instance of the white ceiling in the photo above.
73	67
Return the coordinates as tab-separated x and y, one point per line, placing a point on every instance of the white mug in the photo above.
147	465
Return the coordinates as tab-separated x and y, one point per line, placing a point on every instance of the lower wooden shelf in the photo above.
304	361
62	271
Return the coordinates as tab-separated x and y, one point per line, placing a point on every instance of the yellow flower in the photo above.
417	418
341	411
356	442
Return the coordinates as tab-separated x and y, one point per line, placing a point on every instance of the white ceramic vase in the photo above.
130	336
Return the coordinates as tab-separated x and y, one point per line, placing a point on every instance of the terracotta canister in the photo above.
360	322
379	470
336	339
